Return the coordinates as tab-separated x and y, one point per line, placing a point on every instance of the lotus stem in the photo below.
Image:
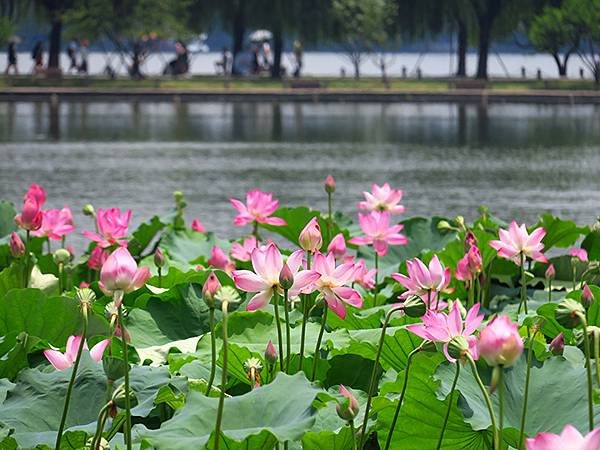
288	337
597	355
549	290
586	346
126	376
279	334
376	290
329	216
318	346
305	315
224	306
63	419
388	441
352	432
159	277
95	444
523	301
488	401
501	402
441	439
373	380
27	258
526	391
213	351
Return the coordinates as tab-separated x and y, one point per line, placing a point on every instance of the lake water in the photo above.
520	160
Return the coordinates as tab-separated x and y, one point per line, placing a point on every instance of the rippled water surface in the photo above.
520	160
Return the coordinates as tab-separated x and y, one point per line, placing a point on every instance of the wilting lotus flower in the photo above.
112	227
62	361
264	280
469	265
382	198
258	208
500	342
579	253
426	282
332	284
516	242
55	224
120	273
97	258
17	248
337	246
378	232
31	215
443	328
197	226
362	276
310	238
243	251
569	439
219	260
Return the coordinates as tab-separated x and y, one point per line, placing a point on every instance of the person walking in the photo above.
84	53
72	55
12	57
298	58
37	54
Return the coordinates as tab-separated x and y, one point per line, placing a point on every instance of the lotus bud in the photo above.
414	306
461	308
310	237
569	313
557	345
329	184
348	408
271	353
458	347
460	221
587	297
62	256
500	343
159	258
337	246
474	258
286	277
211	286
178	196
88	210
17	248
550	273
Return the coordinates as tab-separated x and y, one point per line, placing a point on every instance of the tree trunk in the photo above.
562	65
239	27
485	32
356	64
277	51
463	33
54	51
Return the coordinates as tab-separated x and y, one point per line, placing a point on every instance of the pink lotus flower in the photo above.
264	280
516	242
55	224
469	265
426	282
97	258
579	253
382	198
62	361
337	246
348	409
197	226
310	238
219	260
378	232
258	208
569	439
332	284
120	273
500	342
550	273
243	251
112	227
362	276
330	184
442	327
37	193
31	215
17	248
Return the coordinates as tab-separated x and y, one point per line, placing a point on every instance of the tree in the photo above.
11	11
361	26
585	15
556	33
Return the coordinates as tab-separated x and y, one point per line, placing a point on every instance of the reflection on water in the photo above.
520	160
